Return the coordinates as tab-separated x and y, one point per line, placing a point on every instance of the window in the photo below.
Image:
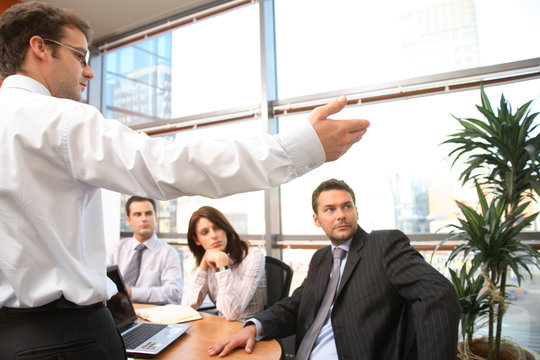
400	171
138	82
324	46
216	63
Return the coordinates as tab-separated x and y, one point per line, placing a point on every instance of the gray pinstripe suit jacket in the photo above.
391	304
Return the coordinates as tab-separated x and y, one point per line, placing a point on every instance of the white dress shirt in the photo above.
57	153
160	278
239	293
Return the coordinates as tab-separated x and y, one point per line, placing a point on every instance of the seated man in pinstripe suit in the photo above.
389	304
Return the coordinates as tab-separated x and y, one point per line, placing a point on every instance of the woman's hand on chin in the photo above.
215	258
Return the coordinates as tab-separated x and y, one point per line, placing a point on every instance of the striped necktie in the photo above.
132	272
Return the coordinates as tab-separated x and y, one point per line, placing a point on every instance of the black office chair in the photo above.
278	284
278	280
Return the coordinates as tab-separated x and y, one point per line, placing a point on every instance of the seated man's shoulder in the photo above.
165	244
320	253
384	239
169	248
388	234
118	244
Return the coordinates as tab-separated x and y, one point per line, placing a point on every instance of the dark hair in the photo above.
137	199
22	21
327	185
237	248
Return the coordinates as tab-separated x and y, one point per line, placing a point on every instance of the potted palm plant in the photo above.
474	304
502	157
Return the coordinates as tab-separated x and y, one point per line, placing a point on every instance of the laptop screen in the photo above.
120	304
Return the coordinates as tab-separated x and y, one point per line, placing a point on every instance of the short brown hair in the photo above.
139	199
24	20
328	185
237	248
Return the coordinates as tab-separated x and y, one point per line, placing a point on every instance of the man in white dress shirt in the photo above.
57	153
159	279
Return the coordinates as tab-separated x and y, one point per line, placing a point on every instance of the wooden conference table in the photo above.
194	344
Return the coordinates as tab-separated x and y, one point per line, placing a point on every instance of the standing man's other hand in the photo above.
336	136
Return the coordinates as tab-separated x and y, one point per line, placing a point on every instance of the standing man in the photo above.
388	302
151	268
56	155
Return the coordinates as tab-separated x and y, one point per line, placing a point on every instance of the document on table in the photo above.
169	314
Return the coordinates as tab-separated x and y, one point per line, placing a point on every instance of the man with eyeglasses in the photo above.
56	155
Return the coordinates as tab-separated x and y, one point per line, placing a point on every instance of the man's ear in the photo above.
316	220
128	220
37	46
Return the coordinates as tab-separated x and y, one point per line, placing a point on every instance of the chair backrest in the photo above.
278	280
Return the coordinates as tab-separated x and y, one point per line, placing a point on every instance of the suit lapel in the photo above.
353	257
323	275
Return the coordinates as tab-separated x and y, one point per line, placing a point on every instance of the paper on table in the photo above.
169	314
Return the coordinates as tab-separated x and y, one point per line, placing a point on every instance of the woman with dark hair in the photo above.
229	270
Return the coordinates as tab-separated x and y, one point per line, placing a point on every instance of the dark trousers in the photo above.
59	332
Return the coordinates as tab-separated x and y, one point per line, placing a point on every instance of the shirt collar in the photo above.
346	245
150	243
25	83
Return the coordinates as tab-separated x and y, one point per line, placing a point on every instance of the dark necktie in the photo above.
309	339
132	272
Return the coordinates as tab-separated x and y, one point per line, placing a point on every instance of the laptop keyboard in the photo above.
140	334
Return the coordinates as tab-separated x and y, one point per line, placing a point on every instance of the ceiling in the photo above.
111	18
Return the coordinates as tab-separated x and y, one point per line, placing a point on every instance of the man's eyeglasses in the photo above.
81	54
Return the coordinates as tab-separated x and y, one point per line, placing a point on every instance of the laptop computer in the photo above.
141	339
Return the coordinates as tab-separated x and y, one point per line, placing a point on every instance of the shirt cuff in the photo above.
139	294
224	279
303	146
260	334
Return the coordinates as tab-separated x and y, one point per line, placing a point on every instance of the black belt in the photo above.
54	306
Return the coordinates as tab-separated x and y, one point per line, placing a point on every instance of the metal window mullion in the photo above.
419	86
272	204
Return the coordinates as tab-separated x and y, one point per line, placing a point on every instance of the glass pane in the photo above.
217	63
399	171
205	66
521	321
349	43
138	82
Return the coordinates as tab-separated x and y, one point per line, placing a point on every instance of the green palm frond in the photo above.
500	150
472	298
501	155
493	238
